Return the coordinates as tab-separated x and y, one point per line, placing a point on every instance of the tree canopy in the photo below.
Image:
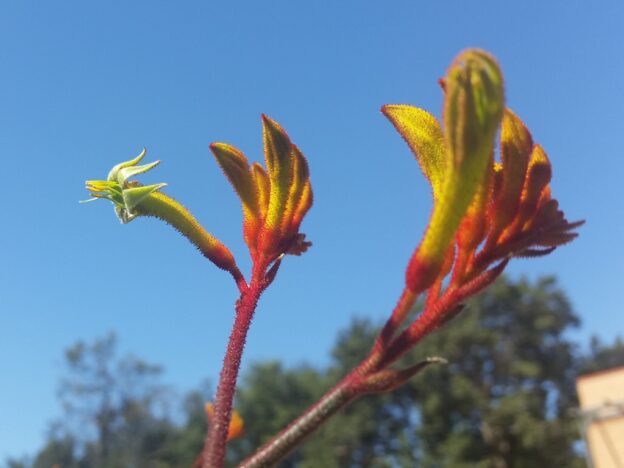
504	400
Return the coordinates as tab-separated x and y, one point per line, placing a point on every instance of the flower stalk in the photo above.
274	202
485	212
291	437
214	448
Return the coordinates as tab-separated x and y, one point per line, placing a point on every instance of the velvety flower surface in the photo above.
483	210
274	199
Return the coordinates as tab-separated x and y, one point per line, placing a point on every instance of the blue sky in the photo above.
87	84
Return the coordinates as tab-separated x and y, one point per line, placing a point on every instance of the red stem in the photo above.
438	313
214	448
292	436
385	352
400	312
387	349
241	283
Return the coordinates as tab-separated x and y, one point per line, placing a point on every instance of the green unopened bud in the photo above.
112	175
135	195
124	194
132	199
473	110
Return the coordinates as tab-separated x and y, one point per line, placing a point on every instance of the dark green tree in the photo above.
60	451
116	415
113	410
271	396
187	439
602	356
504	399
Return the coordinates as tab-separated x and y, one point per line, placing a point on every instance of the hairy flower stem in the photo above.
291	437
439	313
161	206
401	310
347	390
386	351
215	445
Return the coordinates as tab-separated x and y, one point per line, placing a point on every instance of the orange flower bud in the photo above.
237	424
274	201
516	147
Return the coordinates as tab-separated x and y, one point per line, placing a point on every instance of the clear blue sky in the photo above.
87	84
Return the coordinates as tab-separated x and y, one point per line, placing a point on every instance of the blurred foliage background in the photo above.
506	398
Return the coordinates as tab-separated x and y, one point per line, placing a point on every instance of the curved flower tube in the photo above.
131	200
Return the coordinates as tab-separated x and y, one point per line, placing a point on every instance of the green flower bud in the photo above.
124	194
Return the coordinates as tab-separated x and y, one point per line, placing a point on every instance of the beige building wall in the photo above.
601	396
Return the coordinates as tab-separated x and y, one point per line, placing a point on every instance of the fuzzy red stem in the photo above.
437	314
335	399
291	437
385	352
241	283
214	449
426	322
400	312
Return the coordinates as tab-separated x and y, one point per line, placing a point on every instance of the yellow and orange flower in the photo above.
505	207
274	200
131	199
237	425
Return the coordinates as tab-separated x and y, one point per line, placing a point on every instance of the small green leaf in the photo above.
135	195
112	175
126	172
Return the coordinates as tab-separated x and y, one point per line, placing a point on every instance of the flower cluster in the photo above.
274	200
131	199
484	211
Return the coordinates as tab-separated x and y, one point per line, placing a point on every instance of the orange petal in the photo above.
236	426
236	421
516	147
538	177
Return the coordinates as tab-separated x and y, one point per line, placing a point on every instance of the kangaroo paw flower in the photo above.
455	159
131	200
485	211
275	199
